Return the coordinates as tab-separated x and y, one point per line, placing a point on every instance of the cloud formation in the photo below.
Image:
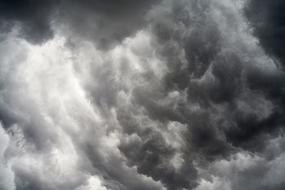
145	95
106	22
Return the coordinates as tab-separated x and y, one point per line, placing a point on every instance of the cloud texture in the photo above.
141	95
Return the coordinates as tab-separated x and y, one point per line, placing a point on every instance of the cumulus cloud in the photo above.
146	95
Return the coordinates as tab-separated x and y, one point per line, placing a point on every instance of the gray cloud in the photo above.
267	19
106	22
33	17
139	95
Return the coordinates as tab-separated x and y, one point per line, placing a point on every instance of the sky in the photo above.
142	95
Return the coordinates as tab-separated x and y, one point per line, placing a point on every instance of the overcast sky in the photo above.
142	94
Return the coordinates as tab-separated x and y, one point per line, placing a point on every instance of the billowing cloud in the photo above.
267	18
106	22
145	95
33	17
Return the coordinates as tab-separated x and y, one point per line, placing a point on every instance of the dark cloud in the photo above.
152	157
217	77
32	16
191	101
104	22
267	19
231	102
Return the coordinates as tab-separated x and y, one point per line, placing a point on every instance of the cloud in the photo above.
267	20
6	174
119	95
33	17
104	22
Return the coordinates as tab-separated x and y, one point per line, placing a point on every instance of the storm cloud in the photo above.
145	95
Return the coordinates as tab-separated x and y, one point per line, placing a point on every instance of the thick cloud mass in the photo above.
106	22
268	20
32	16
144	95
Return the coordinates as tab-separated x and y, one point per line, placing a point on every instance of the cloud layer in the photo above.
145	95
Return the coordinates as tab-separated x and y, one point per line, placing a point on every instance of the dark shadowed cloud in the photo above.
32	16
106	22
268	20
145	95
